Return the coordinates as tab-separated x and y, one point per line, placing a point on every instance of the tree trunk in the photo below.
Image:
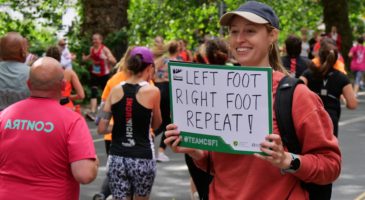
335	13
106	17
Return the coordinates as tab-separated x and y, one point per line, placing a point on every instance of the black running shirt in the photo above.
130	134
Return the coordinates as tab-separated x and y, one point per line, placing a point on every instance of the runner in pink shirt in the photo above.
357	55
46	150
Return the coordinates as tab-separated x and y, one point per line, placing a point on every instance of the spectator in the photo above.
31	58
293	61
185	53
66	56
253	35
200	54
46	150
161	80
312	42
335	36
159	48
14	72
305	45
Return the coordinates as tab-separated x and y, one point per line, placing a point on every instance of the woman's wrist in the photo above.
196	154
287	160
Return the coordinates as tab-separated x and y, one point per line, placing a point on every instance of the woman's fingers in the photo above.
173	139
171	127
273	148
168	141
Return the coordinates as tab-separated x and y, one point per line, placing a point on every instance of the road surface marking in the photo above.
361	196
98	140
350	121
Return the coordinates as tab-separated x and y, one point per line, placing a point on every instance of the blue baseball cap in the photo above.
144	52
255	12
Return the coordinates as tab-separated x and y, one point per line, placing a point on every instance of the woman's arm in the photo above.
350	54
80	94
156	112
109	56
86	57
349	94
105	115
304	79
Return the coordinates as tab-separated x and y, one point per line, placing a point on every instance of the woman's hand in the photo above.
274	149
173	139
85	57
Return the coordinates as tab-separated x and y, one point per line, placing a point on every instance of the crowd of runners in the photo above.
46	148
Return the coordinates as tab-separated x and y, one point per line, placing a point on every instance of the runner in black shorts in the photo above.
102	60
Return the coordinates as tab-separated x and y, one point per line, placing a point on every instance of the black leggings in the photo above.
165	110
97	83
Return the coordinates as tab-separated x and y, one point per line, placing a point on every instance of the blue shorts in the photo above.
358	77
130	176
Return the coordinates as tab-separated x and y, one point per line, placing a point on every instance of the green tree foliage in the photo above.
293	15
37	20
357	16
172	19
191	20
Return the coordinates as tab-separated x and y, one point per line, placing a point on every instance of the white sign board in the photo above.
221	108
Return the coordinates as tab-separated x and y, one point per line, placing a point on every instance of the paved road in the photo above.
172	181
351	183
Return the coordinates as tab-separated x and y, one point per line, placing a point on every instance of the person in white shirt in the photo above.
66	56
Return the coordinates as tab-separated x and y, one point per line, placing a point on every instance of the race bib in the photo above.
96	69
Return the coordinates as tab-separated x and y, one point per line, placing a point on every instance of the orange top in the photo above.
66	92
339	65
113	81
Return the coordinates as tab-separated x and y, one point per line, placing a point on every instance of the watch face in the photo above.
295	164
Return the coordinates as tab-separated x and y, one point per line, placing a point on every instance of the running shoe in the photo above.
98	196
161	157
195	196
91	116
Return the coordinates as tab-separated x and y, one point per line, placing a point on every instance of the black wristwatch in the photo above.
294	164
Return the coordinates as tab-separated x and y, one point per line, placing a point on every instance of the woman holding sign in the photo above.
253	34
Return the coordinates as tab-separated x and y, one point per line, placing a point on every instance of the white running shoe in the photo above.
161	157
195	196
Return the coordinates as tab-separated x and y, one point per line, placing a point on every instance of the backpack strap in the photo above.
283	112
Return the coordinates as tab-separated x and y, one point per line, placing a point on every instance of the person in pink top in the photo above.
357	55
253	34
46	149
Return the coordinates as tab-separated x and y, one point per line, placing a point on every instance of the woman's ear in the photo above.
150	72
274	34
